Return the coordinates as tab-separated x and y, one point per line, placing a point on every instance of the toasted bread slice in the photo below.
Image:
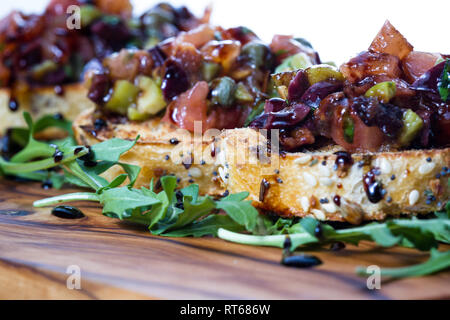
162	149
42	101
308	184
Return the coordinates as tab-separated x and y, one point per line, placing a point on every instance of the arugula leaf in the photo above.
421	234
207	226
121	201
444	82
239	210
254	113
112	149
438	261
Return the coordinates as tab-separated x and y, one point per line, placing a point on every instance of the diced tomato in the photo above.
364	138
189	107
198	36
59	7
369	64
117	7
390	41
417	63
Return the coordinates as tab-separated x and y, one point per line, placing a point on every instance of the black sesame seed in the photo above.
318	231
179	195
264	186
174	141
226	193
324	200
58	156
227	176
277	171
191	181
279	180
167	157
324	162
393	177
389	199
58	116
428	202
203	162
178	180
429	159
383	192
214	173
287	243
99	124
438	176
78	150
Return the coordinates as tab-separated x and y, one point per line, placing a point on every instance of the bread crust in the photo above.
155	153
305	184
42	101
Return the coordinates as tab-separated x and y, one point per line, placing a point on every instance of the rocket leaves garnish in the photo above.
170	212
174	212
423	235
36	158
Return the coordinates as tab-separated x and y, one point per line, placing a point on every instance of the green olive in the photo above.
133	114
256	52
295	62
223	93
323	72
89	13
151	100
40	70
412	124
123	96
384	91
242	94
210	70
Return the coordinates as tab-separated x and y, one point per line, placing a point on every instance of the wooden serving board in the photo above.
121	261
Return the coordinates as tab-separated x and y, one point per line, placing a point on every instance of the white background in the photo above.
337	29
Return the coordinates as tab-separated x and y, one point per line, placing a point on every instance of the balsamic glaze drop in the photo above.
13	104
337	200
372	187
59	91
67	212
343	159
301	261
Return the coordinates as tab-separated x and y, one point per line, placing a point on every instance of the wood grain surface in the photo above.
123	261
